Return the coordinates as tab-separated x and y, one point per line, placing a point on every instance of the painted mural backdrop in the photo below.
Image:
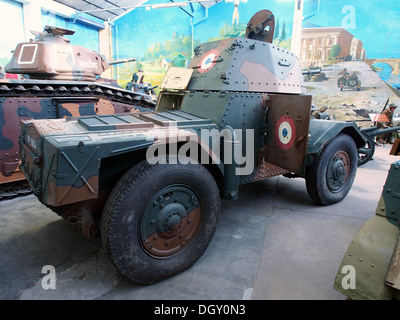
333	32
8	39
166	37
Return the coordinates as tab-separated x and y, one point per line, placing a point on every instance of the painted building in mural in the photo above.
357	51
318	45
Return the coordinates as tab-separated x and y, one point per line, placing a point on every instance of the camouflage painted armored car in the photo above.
150	183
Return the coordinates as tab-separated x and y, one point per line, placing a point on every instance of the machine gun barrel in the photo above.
118	61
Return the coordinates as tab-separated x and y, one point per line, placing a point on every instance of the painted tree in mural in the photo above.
230	31
283	34
280	36
335	51
276	32
177	49
179	61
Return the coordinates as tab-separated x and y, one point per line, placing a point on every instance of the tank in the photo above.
150	183
57	80
370	268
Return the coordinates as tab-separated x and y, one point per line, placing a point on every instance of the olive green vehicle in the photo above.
370	268
150	183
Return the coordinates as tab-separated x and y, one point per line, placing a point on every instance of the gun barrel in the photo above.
118	61
374	131
316	71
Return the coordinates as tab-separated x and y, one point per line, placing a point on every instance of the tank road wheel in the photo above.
159	220
331	176
366	153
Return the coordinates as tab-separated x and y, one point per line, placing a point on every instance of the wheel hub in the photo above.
170	221
338	171
170	218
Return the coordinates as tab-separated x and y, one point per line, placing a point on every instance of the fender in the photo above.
370	253
322	132
375	251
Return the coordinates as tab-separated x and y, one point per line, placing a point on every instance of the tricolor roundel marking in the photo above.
285	132
208	61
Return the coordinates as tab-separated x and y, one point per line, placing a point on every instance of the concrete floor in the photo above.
272	243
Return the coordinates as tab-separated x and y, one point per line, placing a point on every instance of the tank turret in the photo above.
51	56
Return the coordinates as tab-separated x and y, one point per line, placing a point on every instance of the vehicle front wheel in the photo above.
159	219
332	174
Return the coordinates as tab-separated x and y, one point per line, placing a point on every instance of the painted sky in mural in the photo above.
142	28
375	22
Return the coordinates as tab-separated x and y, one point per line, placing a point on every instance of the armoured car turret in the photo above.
150	183
58	80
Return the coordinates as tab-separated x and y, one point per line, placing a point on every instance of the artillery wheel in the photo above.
332	174
366	153
159	219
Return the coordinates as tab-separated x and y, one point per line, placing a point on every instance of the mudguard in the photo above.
374	253
64	169
322	132
370	254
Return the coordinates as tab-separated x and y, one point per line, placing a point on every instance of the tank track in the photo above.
65	89
14	189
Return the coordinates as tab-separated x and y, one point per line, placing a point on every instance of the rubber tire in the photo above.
371	147
129	197
352	83
316	177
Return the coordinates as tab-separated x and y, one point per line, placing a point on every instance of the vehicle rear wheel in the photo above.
159	220
331	176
